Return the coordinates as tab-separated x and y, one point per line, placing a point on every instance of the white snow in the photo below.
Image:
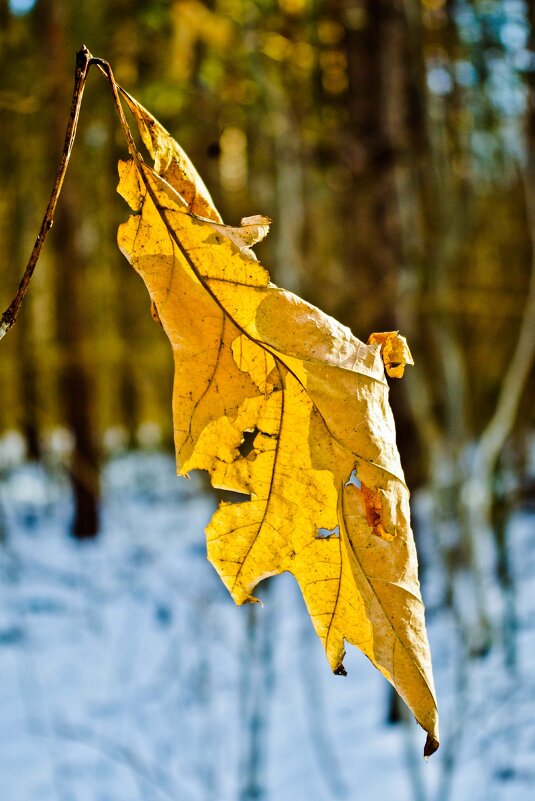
126	671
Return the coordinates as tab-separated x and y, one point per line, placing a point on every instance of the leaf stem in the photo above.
107	71
84	59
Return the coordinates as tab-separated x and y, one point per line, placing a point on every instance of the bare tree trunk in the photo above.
326	757
74	380
376	68
479	498
257	687
25	334
467	549
14	162
290	200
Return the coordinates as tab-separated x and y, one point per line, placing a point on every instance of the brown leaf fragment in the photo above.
394	350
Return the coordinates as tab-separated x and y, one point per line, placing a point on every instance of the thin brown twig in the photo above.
84	59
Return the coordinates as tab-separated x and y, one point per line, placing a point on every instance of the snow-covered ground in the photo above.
126	671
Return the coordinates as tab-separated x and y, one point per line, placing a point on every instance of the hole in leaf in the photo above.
231	496
247	445
325	533
354	480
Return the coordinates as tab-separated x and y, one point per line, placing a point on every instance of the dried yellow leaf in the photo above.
256	363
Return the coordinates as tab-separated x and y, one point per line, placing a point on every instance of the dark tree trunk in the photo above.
74	379
256	691
386	137
24	334
380	95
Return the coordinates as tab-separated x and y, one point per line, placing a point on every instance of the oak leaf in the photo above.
280	402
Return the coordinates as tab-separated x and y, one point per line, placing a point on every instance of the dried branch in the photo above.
84	60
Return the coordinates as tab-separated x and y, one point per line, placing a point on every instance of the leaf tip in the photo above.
340	670
431	745
253	600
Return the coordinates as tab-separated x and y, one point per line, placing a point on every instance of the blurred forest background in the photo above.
392	142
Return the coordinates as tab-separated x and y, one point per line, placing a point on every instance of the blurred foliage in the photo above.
386	139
